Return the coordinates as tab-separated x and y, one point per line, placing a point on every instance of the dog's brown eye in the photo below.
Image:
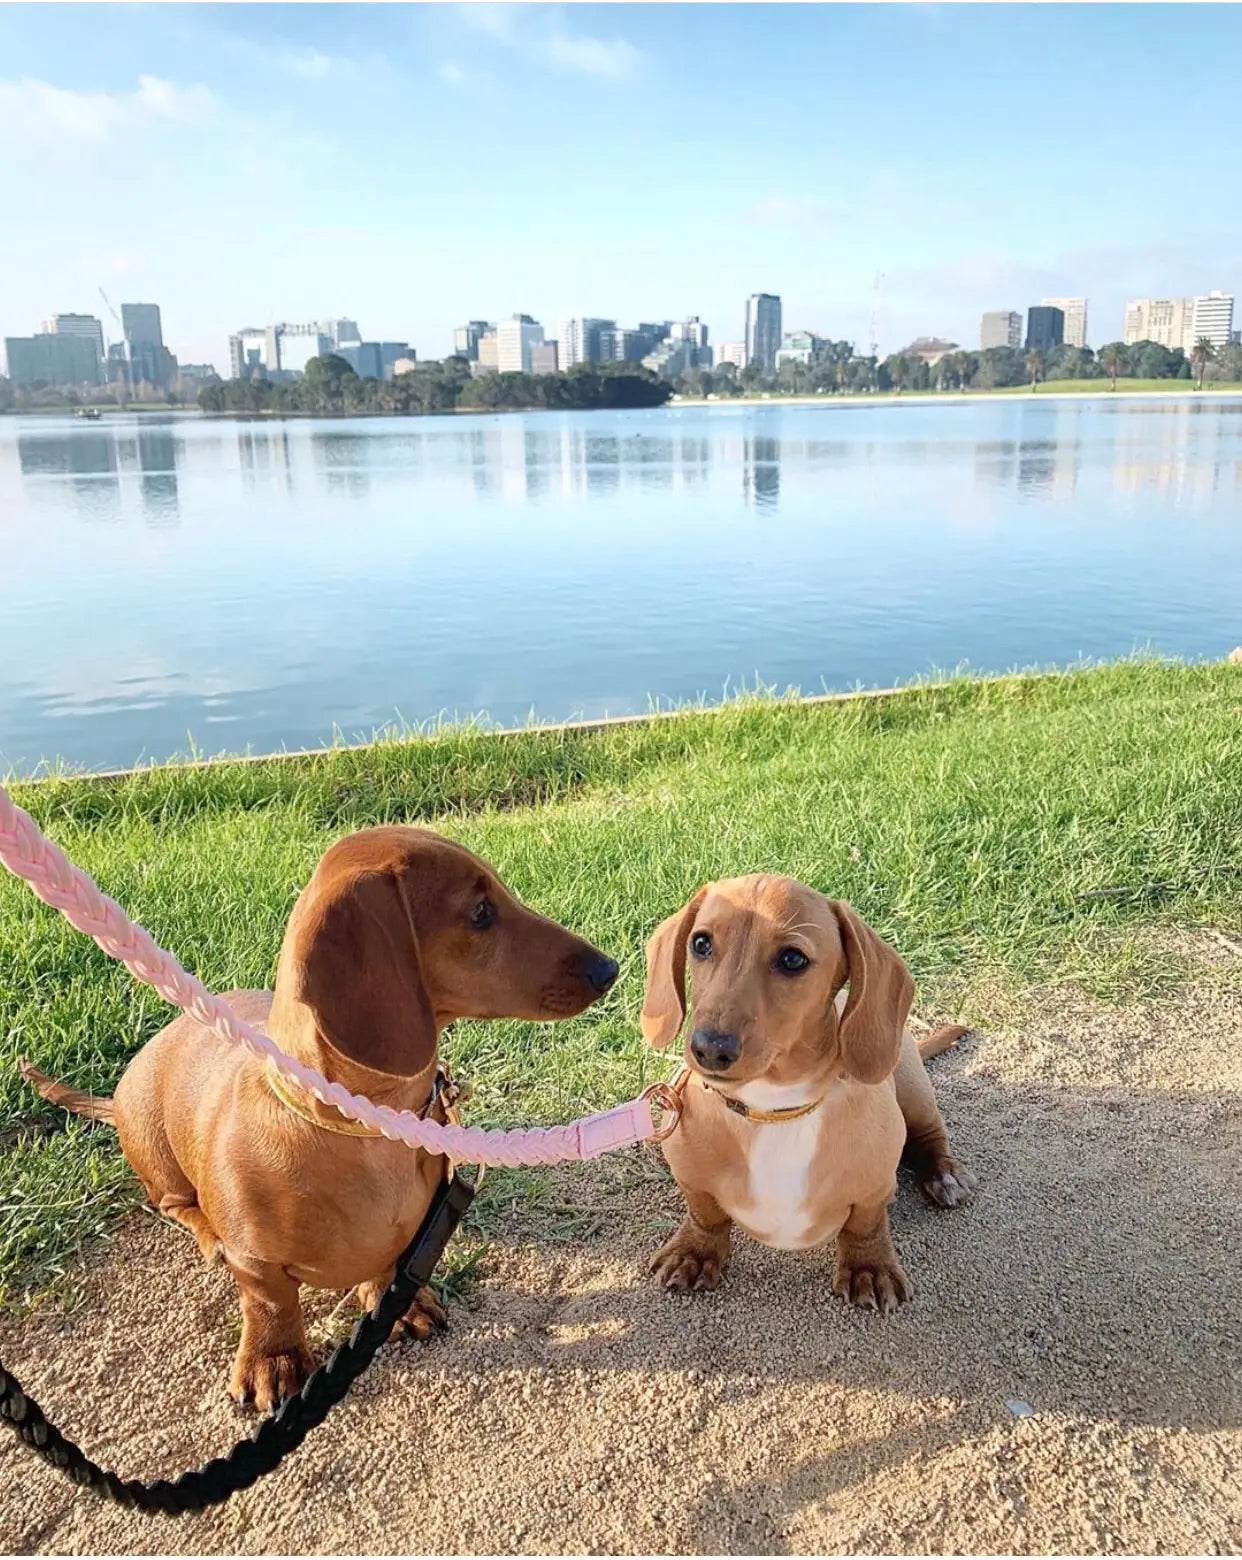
701	945
483	915
791	961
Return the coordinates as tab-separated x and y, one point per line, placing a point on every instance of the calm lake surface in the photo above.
170	581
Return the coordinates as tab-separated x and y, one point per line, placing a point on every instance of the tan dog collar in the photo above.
749	1112
444	1091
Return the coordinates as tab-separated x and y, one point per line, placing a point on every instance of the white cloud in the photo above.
616	59
541	35
46	112
309	64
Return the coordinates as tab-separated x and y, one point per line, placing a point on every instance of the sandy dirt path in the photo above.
1069	1376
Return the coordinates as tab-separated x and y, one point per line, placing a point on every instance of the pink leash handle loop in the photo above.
28	853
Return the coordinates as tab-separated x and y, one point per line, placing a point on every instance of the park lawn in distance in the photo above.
1019	828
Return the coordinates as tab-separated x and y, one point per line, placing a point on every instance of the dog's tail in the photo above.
68	1099
941	1040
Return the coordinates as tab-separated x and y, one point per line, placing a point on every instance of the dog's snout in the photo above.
714	1050
600	971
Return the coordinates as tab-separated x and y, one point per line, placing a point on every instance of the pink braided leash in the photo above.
27	852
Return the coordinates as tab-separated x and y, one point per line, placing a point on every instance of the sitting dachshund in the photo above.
797	1098
398	933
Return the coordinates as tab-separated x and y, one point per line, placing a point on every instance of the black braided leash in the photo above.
283	1431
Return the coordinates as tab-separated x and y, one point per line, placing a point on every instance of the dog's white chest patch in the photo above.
778	1210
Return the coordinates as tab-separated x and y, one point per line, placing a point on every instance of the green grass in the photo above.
1093	387
1024	828
1103	387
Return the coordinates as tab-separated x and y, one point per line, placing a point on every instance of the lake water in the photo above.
177	580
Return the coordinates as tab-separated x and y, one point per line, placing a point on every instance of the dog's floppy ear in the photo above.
362	978
664	1006
881	991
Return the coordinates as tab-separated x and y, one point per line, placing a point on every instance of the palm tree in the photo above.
1203	354
1035	367
1113	360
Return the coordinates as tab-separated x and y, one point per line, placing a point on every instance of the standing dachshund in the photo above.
799	1098
398	933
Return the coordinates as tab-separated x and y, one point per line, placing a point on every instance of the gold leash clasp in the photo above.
668	1097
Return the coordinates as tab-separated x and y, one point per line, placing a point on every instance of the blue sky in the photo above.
414	166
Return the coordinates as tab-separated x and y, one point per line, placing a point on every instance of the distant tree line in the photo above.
838	371
330	387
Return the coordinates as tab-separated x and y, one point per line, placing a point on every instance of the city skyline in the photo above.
199	115
520	344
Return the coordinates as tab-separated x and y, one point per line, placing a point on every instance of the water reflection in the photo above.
334	573
1176	448
96	460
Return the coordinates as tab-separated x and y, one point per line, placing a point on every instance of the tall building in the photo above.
51	358
466	339
763	330
1166	321
1212	317
543	357
489	352
76	325
585	340
247	349
364	358
1000	328
1075	312
1045	328
514	339
291	347
341	333
732	352
682	346
632	346
150	362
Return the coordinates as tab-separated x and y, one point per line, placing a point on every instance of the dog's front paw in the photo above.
692	1259
876	1283
267	1379
424	1319
949	1184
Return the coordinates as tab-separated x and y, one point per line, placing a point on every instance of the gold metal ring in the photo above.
668	1099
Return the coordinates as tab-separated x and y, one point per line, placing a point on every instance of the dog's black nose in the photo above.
714	1050
600	971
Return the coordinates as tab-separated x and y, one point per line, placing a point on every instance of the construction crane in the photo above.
877	290
121	327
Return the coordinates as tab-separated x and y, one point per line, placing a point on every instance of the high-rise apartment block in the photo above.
1180	322
1045	328
1075	312
585	340
763	330
76	325
1000	328
515	338
1212	317
1166	321
285	349
52	359
466	339
543	357
149	360
341	333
